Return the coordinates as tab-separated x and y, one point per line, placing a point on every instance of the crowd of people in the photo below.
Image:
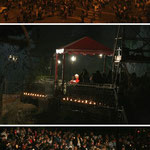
127	82
124	10
73	139
94	78
31	11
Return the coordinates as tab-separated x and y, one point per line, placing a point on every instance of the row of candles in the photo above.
79	101
89	102
35	95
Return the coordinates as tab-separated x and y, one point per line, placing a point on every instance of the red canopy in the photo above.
85	46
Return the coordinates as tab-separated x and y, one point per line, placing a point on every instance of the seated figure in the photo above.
75	79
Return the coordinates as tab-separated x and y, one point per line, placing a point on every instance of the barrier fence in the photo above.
103	94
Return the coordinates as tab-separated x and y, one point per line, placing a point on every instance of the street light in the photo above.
73	58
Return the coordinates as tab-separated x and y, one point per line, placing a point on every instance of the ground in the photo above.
51	112
16	112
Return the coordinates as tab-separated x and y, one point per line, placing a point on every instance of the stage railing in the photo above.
100	94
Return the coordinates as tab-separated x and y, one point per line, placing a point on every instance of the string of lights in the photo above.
34	95
88	102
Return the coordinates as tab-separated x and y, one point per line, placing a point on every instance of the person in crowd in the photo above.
75	79
6	16
85	76
82	16
96	78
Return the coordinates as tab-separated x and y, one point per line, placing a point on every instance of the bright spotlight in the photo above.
10	57
13	58
100	55
59	62
118	57
73	58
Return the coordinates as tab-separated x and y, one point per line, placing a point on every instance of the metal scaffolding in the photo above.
124	54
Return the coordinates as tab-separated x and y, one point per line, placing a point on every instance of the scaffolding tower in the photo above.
124	53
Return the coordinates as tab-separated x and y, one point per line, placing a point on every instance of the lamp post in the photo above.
59	68
104	61
73	59
104	65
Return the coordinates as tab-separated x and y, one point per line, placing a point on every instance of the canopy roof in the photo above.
85	46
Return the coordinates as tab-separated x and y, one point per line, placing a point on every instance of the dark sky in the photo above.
49	37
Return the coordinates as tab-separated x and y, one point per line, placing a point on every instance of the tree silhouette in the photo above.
15	46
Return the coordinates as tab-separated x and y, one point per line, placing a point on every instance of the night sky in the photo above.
49	37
